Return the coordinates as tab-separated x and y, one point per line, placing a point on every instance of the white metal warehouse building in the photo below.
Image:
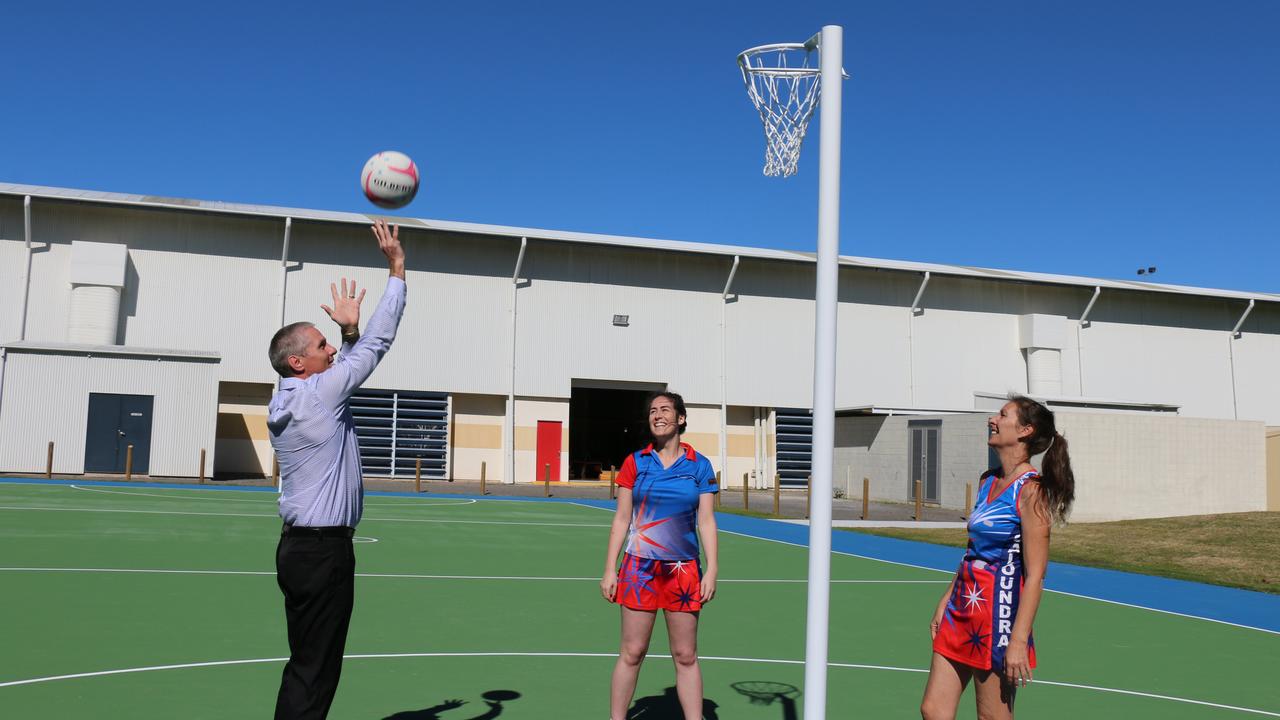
148	319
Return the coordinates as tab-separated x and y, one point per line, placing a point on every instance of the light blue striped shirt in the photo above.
313	433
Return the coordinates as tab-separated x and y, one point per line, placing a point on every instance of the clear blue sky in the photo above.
1087	138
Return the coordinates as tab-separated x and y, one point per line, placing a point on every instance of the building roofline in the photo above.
59	348
268	211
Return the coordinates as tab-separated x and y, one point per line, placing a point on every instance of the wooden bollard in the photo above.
866	493
546	481
484	469
719	486
201	466
275	472
777	496
613	483
128	463
48	465
919	499
808	496
968	499
746	491
417	475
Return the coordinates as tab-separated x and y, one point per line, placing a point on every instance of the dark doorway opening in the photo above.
605	425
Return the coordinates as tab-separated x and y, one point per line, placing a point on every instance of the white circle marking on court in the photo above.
763	661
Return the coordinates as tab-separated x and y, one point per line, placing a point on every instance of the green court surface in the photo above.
141	602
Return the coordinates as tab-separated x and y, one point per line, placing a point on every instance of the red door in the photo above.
548	449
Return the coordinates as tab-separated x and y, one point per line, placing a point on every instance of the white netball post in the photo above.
786	88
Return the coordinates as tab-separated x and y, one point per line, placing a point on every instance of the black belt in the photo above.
338	531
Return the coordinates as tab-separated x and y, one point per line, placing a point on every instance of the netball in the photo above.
390	179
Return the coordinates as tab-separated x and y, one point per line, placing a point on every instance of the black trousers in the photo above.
317	576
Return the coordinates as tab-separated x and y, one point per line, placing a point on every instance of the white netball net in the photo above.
784	86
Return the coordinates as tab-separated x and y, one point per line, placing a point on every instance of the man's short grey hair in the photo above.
288	340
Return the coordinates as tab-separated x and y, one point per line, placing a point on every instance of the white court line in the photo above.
445	577
274	499
1059	592
366	519
712	658
730	532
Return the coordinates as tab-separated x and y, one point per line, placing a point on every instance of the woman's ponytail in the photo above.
1057	481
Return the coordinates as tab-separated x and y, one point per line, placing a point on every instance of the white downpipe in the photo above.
915	304
762	473
284	267
911	336
510	475
1235	331
1231	358
824	376
26	267
1084	319
724	409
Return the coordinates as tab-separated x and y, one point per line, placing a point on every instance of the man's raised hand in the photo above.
346	306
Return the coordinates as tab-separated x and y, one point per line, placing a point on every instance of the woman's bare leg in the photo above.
637	627
995	696
947	681
682	630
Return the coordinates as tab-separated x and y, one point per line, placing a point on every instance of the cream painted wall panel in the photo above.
12	257
873	353
770	357
50	296
47	398
770	336
873	356
1183	366
455	333
1140	466
528	412
1273	468
1257	366
204	302
566	332
956	353
476	431
193	279
467	464
1153	348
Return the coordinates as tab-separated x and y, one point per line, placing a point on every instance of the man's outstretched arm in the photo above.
363	354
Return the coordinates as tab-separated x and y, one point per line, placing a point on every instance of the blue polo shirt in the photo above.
664	509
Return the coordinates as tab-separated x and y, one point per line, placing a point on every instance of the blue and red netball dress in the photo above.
660	568
978	621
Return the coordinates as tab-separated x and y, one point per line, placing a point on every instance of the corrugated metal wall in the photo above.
212	282
46	397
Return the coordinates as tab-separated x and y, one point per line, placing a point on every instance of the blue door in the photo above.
115	423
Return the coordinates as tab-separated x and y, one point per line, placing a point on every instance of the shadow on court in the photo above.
667	707
493	699
766	692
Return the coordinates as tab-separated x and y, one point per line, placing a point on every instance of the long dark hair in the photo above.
676	400
1057	482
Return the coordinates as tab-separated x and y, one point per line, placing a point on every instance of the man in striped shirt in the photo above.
321	487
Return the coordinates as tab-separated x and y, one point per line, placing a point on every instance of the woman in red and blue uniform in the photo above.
982	626
665	501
